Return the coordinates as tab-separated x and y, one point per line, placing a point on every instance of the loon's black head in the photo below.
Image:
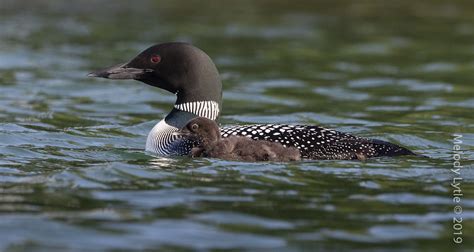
176	67
203	129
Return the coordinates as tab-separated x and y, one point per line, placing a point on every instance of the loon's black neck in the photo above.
200	91
178	118
191	74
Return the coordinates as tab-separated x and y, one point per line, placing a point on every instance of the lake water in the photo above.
74	175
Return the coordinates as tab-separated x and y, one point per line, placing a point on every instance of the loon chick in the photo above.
188	72
206	133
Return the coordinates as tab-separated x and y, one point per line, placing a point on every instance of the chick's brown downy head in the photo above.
203	129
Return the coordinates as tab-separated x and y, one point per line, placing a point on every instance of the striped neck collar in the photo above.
207	109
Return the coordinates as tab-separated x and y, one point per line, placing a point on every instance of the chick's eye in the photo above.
155	59
194	126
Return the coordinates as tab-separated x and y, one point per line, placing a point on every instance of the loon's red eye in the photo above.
155	58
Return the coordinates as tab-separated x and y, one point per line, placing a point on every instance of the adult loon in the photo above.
188	72
240	148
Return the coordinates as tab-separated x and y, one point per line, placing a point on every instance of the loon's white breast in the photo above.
160	138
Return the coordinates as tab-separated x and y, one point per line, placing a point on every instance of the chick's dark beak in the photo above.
121	71
183	132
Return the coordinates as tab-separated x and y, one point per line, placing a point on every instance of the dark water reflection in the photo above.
73	174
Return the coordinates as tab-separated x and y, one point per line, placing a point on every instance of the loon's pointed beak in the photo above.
121	71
